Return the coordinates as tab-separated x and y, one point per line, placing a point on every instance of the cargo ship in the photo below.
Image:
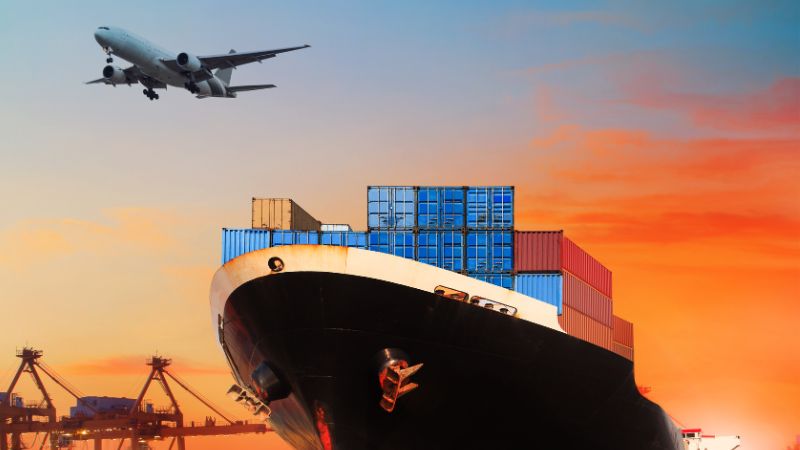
440	327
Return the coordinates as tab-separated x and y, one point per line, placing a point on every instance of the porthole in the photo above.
275	264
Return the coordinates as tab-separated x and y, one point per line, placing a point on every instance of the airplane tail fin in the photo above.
225	74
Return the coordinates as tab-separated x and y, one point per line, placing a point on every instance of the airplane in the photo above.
156	68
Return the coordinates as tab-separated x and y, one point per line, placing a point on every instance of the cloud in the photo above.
123	230
774	108
626	186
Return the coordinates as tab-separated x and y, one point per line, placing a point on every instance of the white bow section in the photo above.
369	264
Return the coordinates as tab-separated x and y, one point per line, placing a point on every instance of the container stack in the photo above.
465	229
392	220
623	338
554	269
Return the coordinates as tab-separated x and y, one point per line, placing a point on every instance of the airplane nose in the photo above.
99	37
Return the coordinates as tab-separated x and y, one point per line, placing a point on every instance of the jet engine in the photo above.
188	62
114	74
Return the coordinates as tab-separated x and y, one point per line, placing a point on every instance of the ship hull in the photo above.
488	380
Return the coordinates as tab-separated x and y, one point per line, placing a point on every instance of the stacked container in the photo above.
622	339
459	228
547	258
465	229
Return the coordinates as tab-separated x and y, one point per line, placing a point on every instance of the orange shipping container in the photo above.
623	350
623	331
587	300
577	324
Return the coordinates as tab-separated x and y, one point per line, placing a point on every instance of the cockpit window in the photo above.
102	28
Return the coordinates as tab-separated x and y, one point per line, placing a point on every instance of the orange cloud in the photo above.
125	229
776	107
21	244
647	189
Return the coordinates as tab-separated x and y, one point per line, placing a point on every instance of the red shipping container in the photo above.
584	266
587	300
623	331
537	251
550	251
623	350
584	327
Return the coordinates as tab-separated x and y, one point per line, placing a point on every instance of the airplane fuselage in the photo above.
148	58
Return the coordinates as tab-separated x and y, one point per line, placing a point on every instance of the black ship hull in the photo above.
489	380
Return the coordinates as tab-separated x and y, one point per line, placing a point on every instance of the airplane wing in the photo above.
133	75
250	87
232	59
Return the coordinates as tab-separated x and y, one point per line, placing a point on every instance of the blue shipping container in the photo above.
441	207
344	238
391	207
443	249
546	287
398	243
490	251
237	242
293	237
490	207
500	279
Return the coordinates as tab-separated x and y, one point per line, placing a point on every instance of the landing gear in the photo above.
107	51
191	86
149	93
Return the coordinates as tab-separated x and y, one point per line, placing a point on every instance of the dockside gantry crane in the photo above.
138	424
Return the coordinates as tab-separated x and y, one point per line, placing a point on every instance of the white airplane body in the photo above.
156	68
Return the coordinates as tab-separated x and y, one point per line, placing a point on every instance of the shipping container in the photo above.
490	207
547	287
623	350
357	239
623	331
584	298
443	249
441	207
551	251
584	266
335	227
581	326
500	279
282	214
398	243
237	242
292	237
391	207
538	251
490	251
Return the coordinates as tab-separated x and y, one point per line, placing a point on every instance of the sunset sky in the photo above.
663	138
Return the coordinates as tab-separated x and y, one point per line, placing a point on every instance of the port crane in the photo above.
138	424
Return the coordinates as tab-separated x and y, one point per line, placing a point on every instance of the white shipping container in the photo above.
335	227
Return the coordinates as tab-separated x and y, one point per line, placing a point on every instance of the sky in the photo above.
662	137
